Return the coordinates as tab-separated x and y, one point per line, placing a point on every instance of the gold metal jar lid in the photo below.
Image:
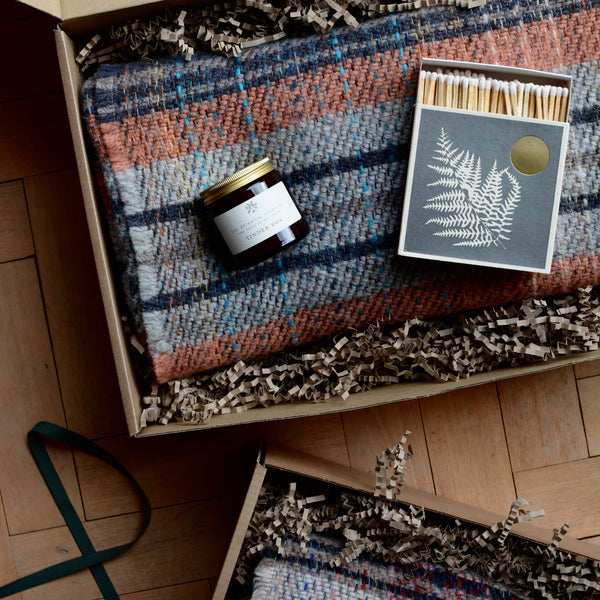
236	181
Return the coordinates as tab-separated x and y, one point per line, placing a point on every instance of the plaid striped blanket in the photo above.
334	113
307	573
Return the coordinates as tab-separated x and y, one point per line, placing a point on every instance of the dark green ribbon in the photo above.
90	557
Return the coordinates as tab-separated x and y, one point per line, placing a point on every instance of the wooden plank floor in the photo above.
537	437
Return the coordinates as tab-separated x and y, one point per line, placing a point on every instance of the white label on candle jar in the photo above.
258	219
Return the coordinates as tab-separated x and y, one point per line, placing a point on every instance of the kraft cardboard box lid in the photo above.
102	11
283	459
73	9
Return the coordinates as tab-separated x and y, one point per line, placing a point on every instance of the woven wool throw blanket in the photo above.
306	573
334	113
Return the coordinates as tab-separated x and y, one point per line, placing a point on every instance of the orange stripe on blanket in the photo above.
467	291
365	81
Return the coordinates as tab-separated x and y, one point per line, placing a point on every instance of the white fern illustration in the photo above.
476	213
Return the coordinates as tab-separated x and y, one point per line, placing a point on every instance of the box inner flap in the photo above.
73	9
284	459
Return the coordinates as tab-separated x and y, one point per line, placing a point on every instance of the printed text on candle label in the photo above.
258	219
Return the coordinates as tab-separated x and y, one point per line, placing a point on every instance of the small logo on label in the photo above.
252	206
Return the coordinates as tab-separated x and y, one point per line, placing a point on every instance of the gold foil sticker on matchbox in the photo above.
530	155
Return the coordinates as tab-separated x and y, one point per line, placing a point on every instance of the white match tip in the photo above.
496	85
434	76
488	84
464	81
528	87
553	91
450	79
513	88
565	92
546	91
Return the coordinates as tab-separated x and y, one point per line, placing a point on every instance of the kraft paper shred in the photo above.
228	28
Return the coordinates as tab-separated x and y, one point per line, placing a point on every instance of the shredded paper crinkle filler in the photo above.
229	28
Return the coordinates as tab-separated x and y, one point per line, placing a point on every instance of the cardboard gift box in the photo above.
277	464
81	19
484	188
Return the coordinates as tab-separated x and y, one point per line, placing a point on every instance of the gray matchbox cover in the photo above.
483	189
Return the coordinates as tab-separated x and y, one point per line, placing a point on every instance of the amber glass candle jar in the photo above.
254	213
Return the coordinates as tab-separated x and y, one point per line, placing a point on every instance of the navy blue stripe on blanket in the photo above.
506	14
581	203
311	173
286	263
589	114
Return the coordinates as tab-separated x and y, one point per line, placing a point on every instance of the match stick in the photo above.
472	94
526	94
514	98
488	88
501	110
448	101
552	102
564	105
456	91
494	96
480	93
545	95
538	102
464	92
423	75
426	87
532	102
440	92
520	94
507	100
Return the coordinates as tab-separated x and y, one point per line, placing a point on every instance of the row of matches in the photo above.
465	90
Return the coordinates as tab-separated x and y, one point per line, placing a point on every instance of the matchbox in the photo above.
486	166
